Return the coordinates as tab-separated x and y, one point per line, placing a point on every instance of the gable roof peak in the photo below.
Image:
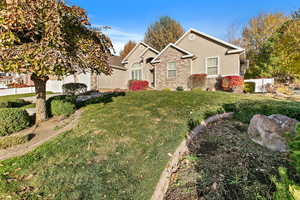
234	47
124	61
187	53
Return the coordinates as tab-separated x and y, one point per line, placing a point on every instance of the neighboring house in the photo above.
9	78
193	53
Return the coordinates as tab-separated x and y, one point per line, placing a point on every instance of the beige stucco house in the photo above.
194	53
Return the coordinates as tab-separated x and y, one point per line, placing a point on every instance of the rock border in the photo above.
172	166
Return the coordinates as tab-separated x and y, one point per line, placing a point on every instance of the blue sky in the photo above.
129	18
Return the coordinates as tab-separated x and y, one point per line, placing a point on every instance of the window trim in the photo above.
218	66
171	69
136	68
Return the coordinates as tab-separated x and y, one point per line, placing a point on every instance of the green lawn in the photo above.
14	97
119	149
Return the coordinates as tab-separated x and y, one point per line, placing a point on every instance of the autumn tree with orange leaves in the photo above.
127	48
48	37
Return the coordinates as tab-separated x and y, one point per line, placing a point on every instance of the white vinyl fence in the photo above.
52	85
260	84
12	91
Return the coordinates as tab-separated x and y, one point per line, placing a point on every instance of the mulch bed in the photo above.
226	164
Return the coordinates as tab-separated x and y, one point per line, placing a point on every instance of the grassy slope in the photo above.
118	151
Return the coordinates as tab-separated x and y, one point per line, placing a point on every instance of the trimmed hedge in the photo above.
62	108
231	82
179	89
198	81
245	110
249	87
13	120
137	85
63	98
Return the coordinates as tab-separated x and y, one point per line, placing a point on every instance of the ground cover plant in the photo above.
121	144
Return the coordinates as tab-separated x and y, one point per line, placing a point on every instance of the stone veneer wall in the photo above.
183	70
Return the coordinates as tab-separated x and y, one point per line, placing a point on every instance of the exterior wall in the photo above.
118	79
203	48
183	67
135	57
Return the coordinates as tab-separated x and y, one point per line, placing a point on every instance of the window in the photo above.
171	69
212	65
136	72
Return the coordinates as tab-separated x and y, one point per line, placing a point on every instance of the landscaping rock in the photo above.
269	131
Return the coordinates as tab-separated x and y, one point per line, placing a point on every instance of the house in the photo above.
194	53
8	78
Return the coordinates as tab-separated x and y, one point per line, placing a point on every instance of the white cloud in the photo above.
120	38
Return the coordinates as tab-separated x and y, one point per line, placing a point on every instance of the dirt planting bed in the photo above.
226	164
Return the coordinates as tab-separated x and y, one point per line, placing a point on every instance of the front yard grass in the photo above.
118	150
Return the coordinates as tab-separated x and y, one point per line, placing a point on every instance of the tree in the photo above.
279	56
255	34
166	30
48	37
260	29
127	48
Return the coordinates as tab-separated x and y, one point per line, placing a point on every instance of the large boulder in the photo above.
269	131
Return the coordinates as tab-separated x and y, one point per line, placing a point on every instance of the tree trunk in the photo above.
40	91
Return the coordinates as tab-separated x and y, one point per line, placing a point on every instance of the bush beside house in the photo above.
232	83
137	85
198	81
249	87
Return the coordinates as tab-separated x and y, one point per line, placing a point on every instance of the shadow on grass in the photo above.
106	98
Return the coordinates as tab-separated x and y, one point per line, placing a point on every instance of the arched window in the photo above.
136	71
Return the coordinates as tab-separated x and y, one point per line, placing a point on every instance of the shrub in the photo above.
285	188
246	109
294	147
249	87
63	98
137	85
74	88
197	90
198	80
179	88
231	82
13	120
13	140
62	108
167	90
